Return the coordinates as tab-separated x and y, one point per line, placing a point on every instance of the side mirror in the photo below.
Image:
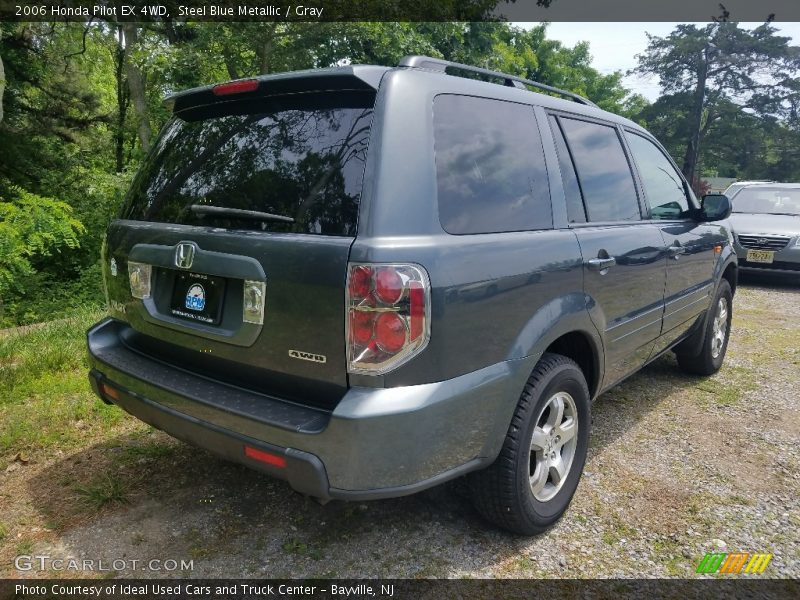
715	207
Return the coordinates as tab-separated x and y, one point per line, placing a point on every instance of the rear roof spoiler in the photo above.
354	78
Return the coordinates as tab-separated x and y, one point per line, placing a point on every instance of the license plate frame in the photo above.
760	256
198	297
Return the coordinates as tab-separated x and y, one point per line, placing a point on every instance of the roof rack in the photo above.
441	66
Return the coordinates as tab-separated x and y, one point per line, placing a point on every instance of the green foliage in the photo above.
725	79
32	226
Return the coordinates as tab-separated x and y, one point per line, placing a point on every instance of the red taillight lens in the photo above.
360	282
235	87
390	332
266	457
388	285
361	326
388	315
416	309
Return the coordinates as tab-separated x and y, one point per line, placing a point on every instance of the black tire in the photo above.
502	493
705	362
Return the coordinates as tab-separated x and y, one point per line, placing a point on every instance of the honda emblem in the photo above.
184	255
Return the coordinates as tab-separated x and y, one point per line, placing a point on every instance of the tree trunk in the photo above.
264	50
136	87
2	90
122	102
692	153
230	64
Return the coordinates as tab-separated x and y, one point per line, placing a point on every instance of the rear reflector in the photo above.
109	391
265	457
235	87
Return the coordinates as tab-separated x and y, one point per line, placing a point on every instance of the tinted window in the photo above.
572	190
490	166
603	171
302	158
663	186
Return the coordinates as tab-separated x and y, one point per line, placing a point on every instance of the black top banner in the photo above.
400	10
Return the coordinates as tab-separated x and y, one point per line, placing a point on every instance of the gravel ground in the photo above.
678	466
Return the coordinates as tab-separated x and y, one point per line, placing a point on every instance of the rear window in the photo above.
768	201
490	168
300	157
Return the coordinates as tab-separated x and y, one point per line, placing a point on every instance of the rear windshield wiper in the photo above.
237	213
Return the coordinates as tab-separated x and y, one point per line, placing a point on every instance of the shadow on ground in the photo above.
145	495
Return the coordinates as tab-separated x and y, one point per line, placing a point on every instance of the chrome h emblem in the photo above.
184	255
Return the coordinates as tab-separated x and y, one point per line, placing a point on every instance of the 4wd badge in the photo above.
196	297
317	358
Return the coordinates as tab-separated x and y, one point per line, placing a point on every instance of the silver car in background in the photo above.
766	226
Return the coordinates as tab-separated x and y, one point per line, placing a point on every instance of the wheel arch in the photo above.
580	347
563	326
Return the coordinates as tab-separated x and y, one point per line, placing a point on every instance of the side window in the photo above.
572	189
603	171
663	186
490	170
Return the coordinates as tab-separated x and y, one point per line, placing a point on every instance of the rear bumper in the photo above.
376	443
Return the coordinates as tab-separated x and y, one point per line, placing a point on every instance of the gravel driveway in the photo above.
678	466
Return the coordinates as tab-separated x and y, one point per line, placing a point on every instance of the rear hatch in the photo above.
230	256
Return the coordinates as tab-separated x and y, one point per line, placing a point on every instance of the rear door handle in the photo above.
676	251
600	264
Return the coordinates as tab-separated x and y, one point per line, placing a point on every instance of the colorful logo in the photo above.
733	562
196	297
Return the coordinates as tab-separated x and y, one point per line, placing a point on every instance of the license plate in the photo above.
198	297
760	256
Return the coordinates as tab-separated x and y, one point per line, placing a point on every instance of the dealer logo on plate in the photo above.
196	297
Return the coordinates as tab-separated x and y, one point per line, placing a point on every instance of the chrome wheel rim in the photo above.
719	328
553	445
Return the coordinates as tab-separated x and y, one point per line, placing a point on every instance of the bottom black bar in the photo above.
751	587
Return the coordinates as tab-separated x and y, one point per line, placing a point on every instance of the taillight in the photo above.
235	87
388	315
139	275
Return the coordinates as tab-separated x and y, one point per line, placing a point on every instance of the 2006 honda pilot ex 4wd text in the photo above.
369	280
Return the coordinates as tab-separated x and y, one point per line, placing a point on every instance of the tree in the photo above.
720	64
31	226
2	84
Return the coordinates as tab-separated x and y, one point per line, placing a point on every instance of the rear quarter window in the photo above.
490	169
603	171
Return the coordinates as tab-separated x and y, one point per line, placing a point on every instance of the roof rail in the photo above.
437	64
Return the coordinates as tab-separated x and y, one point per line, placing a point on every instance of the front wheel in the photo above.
528	488
715	338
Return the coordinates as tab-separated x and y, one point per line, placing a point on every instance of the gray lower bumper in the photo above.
376	443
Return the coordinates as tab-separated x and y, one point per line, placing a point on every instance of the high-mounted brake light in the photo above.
388	315
235	87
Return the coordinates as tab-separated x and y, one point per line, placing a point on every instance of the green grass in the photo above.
104	490
730	390
45	398
295	546
3	532
146	451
